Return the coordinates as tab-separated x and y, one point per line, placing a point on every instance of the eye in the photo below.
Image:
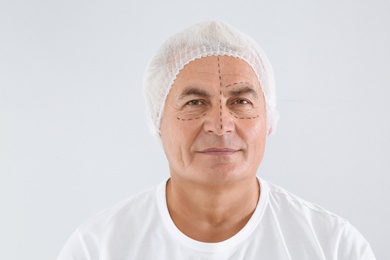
194	103
241	102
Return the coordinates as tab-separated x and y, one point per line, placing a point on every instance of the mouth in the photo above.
219	151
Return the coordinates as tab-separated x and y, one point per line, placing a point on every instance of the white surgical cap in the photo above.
212	38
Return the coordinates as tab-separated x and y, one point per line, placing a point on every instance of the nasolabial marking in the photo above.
189	119
253	117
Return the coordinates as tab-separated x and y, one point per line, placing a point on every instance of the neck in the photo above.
211	213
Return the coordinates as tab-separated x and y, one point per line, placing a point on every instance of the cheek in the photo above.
253	131
254	125
178	132
167	129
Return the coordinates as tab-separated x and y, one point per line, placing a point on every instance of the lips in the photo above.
219	151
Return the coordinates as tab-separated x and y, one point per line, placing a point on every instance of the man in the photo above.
211	102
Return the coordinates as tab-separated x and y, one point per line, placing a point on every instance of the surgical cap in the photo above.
211	38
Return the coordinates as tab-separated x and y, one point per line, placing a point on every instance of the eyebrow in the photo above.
193	91
247	89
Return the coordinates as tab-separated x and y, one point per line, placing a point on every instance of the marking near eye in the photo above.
189	119
244	117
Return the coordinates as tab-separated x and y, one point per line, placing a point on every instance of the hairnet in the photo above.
211	38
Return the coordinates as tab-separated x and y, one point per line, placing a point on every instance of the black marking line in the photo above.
253	117
236	83
189	119
220	93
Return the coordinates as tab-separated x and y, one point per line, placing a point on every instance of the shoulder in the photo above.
334	234
298	216
125	219
130	213
292	204
126	210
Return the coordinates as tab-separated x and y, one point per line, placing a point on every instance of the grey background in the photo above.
73	136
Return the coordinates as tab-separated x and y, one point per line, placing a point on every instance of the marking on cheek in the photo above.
247	117
189	119
220	93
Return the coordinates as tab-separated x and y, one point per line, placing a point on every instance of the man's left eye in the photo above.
241	102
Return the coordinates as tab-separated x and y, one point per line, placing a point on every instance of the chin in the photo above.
222	173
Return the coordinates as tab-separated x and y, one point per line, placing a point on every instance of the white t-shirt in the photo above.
283	226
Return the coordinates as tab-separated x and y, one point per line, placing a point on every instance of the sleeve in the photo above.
352	245
80	246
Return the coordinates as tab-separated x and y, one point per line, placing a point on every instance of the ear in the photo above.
269	132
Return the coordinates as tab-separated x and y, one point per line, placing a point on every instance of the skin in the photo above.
213	131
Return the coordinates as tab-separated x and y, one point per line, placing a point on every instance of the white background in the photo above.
73	135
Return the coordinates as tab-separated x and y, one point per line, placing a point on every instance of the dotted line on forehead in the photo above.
220	92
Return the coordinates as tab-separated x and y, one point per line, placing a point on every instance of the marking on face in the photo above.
236	83
220	101
220	92
189	119
241	117
253	117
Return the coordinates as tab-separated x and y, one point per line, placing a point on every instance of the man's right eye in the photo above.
194	103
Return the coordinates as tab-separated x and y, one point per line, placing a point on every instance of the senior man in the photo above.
211	102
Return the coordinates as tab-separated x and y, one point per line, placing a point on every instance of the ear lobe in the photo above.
269	132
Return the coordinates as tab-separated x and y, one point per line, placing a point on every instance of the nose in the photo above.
218	121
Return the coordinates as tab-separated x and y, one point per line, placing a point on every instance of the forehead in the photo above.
217	68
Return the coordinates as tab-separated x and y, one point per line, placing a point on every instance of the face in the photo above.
213	128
